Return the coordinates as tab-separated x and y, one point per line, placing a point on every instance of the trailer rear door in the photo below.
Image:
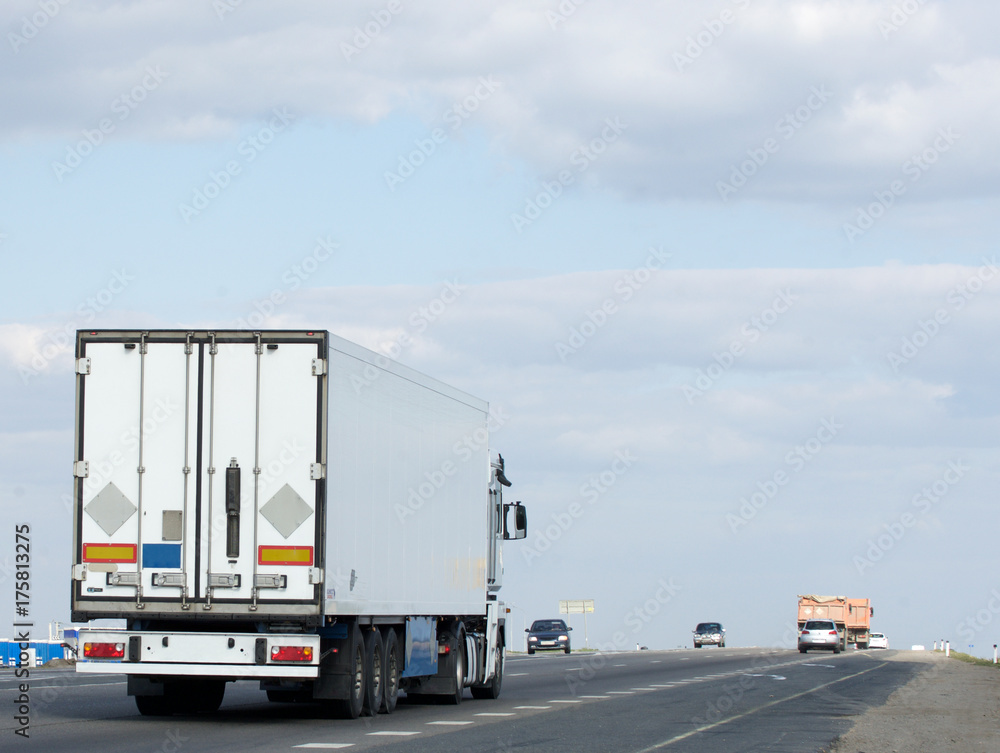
199	476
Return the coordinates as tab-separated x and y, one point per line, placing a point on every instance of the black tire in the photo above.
491	691
697	645
350	707
722	644
204	697
531	651
374	673
457	665
154	705
183	697
567	649
802	650
836	649
393	670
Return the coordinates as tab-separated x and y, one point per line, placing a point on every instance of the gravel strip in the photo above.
949	707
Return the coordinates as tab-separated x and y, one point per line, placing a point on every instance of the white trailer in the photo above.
284	507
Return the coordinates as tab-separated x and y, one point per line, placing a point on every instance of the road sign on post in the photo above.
578	606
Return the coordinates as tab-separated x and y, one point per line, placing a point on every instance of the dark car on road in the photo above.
548	635
709	634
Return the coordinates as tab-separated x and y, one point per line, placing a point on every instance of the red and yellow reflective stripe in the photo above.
284	555
109	552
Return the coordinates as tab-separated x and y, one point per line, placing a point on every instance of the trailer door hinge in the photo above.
168	579
81	469
224	580
270	581
318	367
316	471
315	575
80	571
83	365
123	579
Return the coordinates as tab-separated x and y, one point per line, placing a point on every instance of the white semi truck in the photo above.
284	507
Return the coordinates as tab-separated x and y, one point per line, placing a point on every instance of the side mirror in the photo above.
527	630
569	628
520	521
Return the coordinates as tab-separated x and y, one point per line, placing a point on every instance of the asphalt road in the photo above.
710	701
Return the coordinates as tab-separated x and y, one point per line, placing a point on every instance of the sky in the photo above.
726	271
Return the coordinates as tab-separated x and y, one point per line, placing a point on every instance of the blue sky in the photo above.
690	233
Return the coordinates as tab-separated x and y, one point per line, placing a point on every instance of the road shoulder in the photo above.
948	706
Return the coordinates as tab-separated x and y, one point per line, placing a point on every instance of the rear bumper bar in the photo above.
235	655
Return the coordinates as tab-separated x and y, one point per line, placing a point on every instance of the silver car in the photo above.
819	634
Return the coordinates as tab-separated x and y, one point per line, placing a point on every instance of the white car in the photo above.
878	640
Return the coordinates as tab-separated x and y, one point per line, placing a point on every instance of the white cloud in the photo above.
750	64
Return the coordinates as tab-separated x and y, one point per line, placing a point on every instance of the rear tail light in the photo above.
833	632
104	650
291	653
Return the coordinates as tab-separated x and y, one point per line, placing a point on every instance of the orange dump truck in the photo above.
852	616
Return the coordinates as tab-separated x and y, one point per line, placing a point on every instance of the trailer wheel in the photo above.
183	697
458	665
154	705
393	671
350	707
492	689
204	697
373	672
